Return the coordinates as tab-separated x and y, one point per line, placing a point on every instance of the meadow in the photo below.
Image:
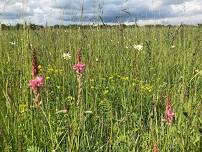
123	93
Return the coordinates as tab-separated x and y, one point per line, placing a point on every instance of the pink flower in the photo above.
79	68
169	114
37	83
155	148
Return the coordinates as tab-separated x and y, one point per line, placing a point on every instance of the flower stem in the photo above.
80	88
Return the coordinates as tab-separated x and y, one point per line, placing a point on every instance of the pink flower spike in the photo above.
37	83
169	114
79	68
155	148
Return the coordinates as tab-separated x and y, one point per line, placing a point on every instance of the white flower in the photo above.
96	59
138	47
61	111
67	56
173	46
197	70
126	47
88	112
12	43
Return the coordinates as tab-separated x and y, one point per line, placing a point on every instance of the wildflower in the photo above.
138	47
23	108
12	43
155	148
88	112
40	68
125	78
173	46
58	87
96	59
47	78
105	92
78	56
79	68
36	83
35	69
50	69
70	98
61	111
111	77
169	114
146	88
92	80
67	56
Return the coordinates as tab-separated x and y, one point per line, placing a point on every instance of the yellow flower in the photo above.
40	68
147	88
125	78
47	78
56	70
70	98
23	108
50	69
105	92
91	80
58	87
111	77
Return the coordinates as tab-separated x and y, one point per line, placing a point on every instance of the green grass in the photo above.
124	88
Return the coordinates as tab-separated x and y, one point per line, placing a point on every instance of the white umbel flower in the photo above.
138	47
12	43
67	56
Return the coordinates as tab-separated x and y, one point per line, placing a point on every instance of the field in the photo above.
123	91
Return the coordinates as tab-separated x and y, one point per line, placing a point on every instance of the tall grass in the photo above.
124	90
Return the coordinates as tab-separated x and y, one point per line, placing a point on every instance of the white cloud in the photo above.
68	11
190	20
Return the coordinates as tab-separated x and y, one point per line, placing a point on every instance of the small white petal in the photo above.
138	47
67	56
12	43
88	112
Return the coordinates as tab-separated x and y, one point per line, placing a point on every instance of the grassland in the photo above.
124	90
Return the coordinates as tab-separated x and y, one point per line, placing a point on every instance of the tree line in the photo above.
31	26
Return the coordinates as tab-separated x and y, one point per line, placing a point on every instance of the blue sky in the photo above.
112	11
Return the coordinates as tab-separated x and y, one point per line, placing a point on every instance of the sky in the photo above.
65	12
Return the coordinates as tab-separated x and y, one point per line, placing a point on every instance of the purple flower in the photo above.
169	114
79	68
37	83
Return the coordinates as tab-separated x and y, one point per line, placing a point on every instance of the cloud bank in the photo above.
111	11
